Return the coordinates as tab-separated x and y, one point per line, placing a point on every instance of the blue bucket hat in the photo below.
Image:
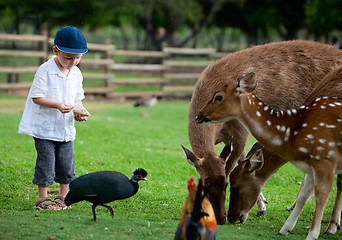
70	40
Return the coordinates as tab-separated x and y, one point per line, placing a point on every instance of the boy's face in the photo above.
67	60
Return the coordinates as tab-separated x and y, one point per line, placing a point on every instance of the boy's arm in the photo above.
45	102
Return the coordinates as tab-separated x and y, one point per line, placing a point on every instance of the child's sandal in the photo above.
59	201
45	204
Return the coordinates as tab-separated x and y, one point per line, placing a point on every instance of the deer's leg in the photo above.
304	195
323	178
335	221
261	205
239	135
291	207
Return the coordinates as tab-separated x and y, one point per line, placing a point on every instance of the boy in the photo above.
49	119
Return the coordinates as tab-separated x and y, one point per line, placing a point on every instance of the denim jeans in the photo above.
55	162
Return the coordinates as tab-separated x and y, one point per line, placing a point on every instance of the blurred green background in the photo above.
144	24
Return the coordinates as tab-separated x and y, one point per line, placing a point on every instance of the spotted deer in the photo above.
248	178
309	137
287	74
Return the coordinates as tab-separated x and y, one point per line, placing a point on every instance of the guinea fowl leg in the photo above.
93	208
109	208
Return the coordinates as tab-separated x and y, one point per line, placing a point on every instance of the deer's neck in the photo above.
271	127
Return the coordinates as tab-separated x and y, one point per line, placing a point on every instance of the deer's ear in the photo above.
191	157
254	148
226	151
247	82
256	161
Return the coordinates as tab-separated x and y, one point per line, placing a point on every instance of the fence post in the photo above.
45	46
165	56
108	56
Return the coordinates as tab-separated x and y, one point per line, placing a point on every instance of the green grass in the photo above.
117	137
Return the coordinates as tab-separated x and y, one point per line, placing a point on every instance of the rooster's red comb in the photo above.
191	183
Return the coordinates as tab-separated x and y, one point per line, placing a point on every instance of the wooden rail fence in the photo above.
170	73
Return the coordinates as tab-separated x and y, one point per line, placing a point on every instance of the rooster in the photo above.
198	221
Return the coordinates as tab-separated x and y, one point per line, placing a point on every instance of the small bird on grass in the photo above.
145	102
104	187
198	221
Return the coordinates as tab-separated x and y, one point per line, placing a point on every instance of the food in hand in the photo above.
82	112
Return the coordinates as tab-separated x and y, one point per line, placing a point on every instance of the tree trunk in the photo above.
198	27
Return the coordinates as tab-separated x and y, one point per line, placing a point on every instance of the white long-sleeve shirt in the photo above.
50	123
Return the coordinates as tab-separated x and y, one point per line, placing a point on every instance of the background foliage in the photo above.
157	21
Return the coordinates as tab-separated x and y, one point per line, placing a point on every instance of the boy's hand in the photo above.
65	108
80	118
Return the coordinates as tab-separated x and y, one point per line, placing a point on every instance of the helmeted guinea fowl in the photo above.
198	221
104	187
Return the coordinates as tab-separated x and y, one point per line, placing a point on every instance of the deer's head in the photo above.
225	103
212	172
245	186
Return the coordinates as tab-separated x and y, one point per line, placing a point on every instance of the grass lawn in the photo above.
117	137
